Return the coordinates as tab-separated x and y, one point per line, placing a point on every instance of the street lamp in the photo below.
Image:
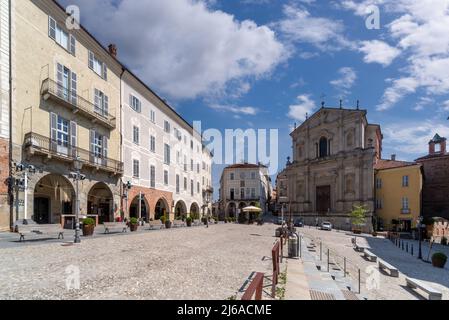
420	221
23	183
77	177
127	186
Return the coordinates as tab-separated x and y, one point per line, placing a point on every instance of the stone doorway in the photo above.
323	199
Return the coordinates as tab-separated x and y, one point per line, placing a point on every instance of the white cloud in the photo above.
299	26
412	138
377	51
304	106
235	109
446	105
396	91
181	47
345	81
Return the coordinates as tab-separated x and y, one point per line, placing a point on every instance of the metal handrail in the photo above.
52	87
70	152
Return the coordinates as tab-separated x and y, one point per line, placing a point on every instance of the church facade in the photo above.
334	152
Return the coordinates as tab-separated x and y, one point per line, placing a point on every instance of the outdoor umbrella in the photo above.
252	209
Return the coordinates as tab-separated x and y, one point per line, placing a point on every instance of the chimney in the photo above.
113	50
393	157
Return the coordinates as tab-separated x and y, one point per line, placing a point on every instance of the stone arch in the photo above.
53	196
100	202
144	208
231	210
194	209
180	209
161	208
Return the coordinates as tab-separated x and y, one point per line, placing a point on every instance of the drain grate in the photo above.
349	295
318	295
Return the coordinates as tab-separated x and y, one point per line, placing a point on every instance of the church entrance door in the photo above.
323	199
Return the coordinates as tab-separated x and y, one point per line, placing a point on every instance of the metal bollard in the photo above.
328	260
412	250
406	247
344	266
360	278
402	245
321	251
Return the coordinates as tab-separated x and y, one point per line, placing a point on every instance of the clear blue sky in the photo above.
264	64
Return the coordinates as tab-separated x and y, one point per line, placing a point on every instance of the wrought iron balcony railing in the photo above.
36	143
52	90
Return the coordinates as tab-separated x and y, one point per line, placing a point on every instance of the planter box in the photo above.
88	230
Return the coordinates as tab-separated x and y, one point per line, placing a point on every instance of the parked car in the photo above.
280	221
298	223
326	226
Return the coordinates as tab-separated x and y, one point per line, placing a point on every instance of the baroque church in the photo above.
334	152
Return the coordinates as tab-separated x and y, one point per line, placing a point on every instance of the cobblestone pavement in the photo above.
389	288
186	263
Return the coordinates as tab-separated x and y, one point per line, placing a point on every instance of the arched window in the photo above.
324	147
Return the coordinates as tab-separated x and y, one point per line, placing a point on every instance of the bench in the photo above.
117	226
369	255
40	230
157	224
394	272
360	248
178	224
432	293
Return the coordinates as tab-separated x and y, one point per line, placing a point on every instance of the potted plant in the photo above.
189	221
166	221
133	224
88	227
358	216
439	260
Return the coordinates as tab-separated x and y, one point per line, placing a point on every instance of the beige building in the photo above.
243	185
334	152
66	116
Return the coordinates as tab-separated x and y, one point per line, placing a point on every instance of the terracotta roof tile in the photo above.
390	164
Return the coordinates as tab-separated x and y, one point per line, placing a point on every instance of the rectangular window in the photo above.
136	168
198	187
191	144
153	144
177	184
405	181
152	116
166	154
136	135
152	176
231	176
203	181
101	103
67	84
405	204
166	177
379	183
379	204
135	103
242	176
185	184
242	193
192	191
98	66
232	194
167	126
61	37
198	168
98	145
191	165
242	184
185	163
62	132
253	193
253	175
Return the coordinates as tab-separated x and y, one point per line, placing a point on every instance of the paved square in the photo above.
187	263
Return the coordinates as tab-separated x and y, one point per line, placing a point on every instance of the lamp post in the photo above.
26	169
420	221
126	186
77	177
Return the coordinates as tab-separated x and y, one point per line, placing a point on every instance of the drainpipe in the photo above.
10	189
121	152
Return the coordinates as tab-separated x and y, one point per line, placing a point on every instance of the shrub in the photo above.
440	256
189	219
163	219
134	221
89	222
358	216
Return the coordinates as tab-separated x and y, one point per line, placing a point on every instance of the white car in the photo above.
326	226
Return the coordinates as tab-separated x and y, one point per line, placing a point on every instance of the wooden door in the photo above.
323	199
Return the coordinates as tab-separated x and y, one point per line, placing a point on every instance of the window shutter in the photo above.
105	72
97	99
74	88
92	140
73	45
53	131
131	101
51	28
59	79
91	60
105	147
106	106
73	137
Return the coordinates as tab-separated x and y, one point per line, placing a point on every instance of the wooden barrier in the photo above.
255	288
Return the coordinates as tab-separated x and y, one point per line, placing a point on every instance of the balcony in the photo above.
38	144
405	211
51	90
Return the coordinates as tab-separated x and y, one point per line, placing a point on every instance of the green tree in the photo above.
358	216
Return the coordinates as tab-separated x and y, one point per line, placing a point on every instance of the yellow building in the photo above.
66	116
398	194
